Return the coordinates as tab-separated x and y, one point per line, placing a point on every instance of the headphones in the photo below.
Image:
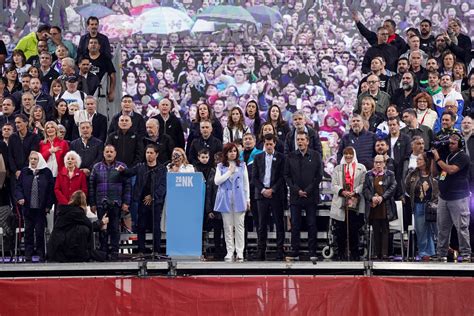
461	141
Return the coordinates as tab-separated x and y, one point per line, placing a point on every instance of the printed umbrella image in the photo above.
227	14
117	26
142	8
163	21
93	9
202	26
265	15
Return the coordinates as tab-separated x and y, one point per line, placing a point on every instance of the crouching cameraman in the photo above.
453	204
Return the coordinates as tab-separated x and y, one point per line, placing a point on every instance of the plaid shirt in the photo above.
107	184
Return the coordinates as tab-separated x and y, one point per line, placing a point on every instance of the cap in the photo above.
72	78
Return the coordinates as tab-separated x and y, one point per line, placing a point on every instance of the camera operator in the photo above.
453	205
442	137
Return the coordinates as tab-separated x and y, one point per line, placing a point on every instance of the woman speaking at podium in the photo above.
232	200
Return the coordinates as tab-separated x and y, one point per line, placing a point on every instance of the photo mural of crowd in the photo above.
262	67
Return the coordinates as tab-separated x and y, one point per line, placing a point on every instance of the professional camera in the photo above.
442	141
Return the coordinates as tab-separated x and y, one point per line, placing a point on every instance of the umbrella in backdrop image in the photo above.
163	21
265	15
117	26
226	14
142	8
202	26
93	9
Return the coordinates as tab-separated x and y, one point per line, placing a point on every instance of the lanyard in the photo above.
447	159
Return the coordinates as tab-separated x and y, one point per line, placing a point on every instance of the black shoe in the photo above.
259	256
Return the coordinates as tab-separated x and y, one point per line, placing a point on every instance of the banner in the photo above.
184	214
272	295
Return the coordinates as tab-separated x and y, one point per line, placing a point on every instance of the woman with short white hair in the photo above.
70	178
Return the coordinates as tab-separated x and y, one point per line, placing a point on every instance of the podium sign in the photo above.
185	198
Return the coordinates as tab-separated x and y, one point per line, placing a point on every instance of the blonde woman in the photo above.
367	111
52	148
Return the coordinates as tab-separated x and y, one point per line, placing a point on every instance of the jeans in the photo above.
150	221
296	227
455	212
424	231
113	228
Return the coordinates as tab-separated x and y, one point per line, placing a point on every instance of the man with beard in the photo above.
432	64
433	83
427	40
42	99
394	81
363	142
403	97
415	129
440	47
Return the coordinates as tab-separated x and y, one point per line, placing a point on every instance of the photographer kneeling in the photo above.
71	239
453	204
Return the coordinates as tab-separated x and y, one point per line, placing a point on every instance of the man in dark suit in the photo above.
88	147
399	151
303	173
268	180
164	143
99	121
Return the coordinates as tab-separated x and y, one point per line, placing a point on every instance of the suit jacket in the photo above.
401	155
99	126
276	178
314	141
92	83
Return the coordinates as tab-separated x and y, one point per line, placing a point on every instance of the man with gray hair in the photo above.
164	142
299	125
362	140
89	148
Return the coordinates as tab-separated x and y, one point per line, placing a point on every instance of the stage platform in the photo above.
211	268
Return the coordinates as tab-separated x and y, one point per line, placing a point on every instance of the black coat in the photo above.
129	147
159	184
19	150
401	156
165	147
45	187
99	126
71	239
138	124
387	51
371	37
173	128
90	154
211	188
213	144
303	173
389	185
314	141
277	175
195	132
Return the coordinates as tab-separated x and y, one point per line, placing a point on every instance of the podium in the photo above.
185	199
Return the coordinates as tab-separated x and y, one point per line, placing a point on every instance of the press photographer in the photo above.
453	204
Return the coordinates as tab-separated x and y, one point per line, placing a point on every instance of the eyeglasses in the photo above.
383	34
372	82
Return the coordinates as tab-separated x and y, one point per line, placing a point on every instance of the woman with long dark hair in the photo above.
232	200
236	128
422	189
275	117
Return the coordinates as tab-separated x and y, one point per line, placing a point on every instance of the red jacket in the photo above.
66	186
44	151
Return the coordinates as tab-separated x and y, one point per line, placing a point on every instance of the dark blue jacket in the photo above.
141	171
45	187
364	144
314	141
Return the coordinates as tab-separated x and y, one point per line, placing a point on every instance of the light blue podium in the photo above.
185	199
